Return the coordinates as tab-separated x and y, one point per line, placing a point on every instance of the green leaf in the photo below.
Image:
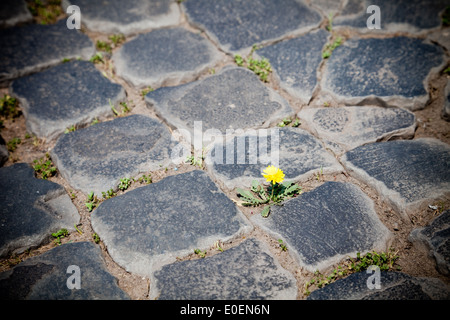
265	212
249	198
256	187
292	189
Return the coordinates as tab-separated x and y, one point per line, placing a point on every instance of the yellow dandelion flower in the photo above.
273	174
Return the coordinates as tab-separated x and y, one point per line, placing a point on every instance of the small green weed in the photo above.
78	230
97	58
124	184
124	107
446	17
72	195
239	60
12	144
96	238
201	254
261	67
319	175
194	162
218	246
44	167
59	235
329	48
9	107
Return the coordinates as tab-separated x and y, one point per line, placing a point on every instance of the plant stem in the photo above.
273	187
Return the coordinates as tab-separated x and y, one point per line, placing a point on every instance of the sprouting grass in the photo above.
97	58
288	121
145	91
117	39
329	48
12	144
275	194
103	46
261	67
45	12
59	235
44	167
9	107
124	184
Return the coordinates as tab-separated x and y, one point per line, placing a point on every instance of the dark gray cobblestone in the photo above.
245	272
23	51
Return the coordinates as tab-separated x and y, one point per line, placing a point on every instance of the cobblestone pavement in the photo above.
125	145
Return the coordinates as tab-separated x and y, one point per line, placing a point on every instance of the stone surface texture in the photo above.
152	225
97	157
31	209
245	272
71	94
